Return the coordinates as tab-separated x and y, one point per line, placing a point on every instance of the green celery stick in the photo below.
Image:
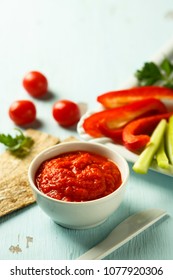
169	139
168	170
143	162
161	156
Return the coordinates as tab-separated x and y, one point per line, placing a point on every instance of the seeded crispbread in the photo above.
15	192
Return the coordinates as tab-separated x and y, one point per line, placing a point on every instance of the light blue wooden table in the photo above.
85	48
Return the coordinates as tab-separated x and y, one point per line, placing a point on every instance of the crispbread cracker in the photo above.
15	191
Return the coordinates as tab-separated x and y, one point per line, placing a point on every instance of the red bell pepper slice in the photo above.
117	118
114	134
137	133
121	97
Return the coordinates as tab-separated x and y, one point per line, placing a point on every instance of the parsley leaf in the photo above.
167	67
20	145
151	74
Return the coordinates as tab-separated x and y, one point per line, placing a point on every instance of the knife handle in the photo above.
124	232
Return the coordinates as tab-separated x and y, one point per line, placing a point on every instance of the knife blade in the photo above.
125	231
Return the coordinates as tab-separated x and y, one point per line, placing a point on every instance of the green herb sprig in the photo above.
19	145
152	74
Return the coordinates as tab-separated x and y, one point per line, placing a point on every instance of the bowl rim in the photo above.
97	200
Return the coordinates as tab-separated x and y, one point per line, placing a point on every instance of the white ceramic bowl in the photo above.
79	215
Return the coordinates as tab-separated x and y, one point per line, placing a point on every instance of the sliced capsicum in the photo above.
137	133
121	97
117	118
114	134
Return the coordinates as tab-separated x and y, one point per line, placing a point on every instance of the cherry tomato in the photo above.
35	84
22	112
66	113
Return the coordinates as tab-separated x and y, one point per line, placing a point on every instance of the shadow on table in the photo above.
15	213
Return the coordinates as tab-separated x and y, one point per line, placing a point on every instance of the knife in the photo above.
124	232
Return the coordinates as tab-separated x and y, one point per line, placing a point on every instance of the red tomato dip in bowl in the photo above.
78	176
78	184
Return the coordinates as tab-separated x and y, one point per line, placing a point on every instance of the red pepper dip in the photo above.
78	176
